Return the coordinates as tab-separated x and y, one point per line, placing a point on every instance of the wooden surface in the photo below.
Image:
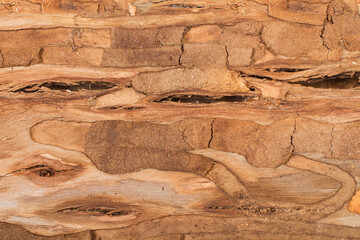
179	119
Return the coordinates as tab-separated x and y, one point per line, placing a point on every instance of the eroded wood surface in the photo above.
180	119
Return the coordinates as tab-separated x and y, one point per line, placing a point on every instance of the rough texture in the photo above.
154	57
342	27
307	135
92	38
235	40
204	56
10	231
69	56
293	40
135	38
21	56
203	34
35	37
172	80
120	147
213	119
263	146
345	142
170	36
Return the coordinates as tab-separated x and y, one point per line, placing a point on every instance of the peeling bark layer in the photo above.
179	119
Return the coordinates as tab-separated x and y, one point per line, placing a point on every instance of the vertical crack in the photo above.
98	10
210	169
292	138
331	141
262	41
227	57
182	44
75	33
2	59
92	235
40	55
322	35
212	133
39	58
328	19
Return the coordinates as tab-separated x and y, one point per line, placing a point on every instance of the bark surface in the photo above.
214	119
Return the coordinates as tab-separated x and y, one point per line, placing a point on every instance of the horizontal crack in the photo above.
97	210
195	98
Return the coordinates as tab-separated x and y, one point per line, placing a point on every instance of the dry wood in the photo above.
180	119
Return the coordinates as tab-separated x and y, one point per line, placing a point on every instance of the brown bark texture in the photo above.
179	119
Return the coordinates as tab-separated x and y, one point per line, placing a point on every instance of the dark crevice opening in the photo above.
100	210
255	76
340	81
81	85
252	89
189	98
286	69
37	166
124	108
66	87
184	6
28	89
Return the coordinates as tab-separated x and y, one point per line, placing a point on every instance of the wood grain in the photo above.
179	119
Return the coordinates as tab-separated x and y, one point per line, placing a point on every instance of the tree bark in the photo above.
180	119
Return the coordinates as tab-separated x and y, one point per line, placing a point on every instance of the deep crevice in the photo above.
285	69
27	89
345	80
242	74
328	19
340	81
66	87
202	99
182	44
76	86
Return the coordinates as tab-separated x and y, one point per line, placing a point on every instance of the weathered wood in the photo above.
180	119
